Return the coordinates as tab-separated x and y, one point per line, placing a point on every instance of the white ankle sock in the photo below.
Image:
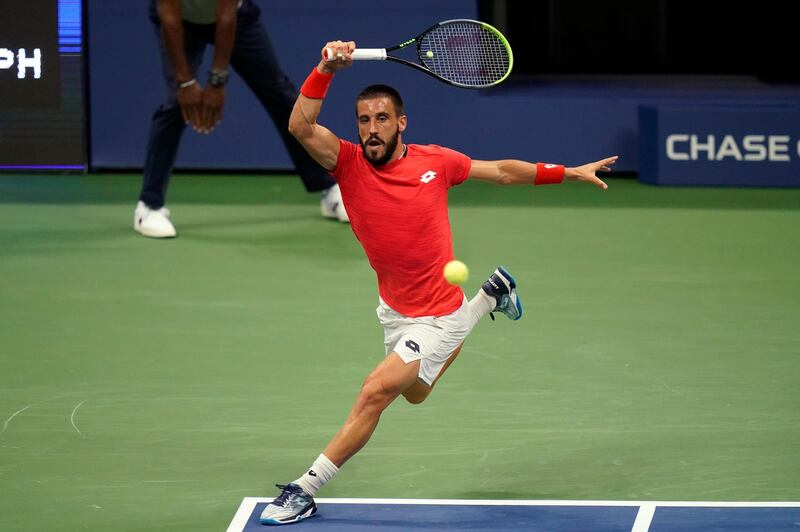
481	305
320	472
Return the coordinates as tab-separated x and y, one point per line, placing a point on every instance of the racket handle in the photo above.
359	54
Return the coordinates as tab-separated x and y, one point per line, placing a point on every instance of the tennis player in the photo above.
396	197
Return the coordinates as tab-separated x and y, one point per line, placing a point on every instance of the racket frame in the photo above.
381	54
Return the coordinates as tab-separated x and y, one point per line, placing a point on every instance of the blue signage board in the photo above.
735	145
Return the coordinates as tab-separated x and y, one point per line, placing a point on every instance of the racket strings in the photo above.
465	53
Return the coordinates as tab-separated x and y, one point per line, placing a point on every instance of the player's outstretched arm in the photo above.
514	172
320	142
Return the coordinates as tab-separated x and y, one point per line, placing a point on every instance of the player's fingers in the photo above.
215	118
191	117
208	122
329	50
609	161
338	51
602	184
211	119
197	119
202	119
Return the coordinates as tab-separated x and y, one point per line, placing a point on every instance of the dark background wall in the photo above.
544	112
608	37
126	82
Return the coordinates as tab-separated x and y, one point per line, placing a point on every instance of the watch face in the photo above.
218	79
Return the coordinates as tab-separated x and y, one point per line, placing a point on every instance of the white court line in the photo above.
72	419
249	503
559	502
15	414
166	481
243	513
643	518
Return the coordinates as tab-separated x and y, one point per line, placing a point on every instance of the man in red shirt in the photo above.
396	197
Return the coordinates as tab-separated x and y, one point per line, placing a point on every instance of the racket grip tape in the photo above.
359	54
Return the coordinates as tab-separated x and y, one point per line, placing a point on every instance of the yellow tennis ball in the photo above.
429	53
456	272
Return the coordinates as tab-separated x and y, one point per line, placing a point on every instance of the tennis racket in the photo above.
461	52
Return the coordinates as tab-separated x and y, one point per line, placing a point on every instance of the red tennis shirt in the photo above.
398	212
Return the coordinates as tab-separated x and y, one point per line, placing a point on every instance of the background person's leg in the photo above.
255	61
166	126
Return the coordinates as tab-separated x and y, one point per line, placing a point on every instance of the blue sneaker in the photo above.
291	506
502	286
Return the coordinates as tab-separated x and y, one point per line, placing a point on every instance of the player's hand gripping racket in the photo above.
462	52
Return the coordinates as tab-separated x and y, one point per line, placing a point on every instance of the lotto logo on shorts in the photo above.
414	346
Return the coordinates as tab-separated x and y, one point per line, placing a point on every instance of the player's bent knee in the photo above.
374	396
415	399
369	395
417	393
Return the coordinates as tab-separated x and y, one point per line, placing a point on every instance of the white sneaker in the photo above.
153	223
331	205
291	506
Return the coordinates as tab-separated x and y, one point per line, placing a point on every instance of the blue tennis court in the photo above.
377	515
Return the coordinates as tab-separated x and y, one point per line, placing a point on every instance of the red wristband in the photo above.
316	84
548	174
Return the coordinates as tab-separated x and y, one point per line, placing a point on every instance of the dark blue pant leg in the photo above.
254	60
166	126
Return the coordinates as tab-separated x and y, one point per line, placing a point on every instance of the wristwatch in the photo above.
218	78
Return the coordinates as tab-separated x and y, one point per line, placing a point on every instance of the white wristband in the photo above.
186	84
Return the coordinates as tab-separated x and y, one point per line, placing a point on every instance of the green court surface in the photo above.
151	385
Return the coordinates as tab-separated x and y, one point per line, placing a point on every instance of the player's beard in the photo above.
390	146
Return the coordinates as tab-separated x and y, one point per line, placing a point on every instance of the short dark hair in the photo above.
374	91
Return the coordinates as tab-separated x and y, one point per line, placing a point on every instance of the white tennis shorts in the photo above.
429	339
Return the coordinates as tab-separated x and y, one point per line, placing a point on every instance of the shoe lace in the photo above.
505	302
286	492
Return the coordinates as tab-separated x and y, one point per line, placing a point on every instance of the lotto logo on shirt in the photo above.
428	176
